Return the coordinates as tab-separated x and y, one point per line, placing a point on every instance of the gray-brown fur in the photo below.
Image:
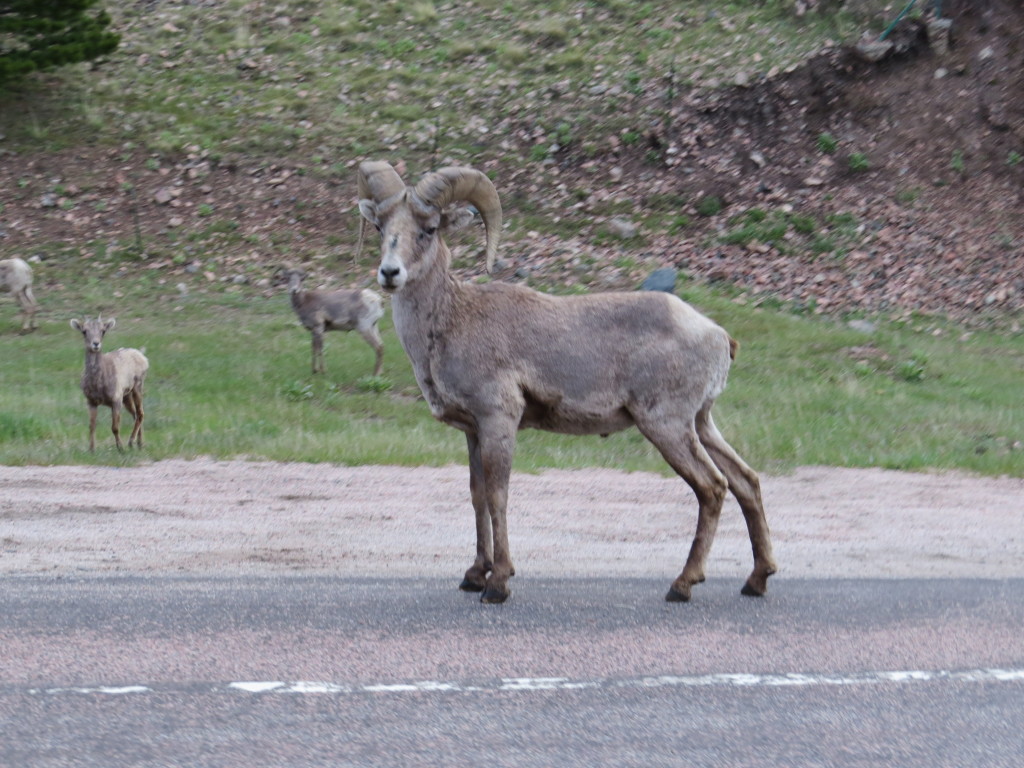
16	277
495	358
345	310
112	379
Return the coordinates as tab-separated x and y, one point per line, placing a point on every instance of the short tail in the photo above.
733	347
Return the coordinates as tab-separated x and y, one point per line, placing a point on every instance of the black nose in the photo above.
388	273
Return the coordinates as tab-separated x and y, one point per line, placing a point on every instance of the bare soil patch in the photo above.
207	517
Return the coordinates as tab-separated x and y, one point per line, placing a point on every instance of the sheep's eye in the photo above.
429	231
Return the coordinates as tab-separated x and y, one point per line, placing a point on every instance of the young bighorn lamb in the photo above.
495	358
112	379
345	310
16	277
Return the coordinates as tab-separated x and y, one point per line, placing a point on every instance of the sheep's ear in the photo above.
76	325
368	210
109	323
453	221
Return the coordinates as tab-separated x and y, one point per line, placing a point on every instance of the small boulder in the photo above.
622	228
663	279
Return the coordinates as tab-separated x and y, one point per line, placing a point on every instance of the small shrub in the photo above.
538	152
710	205
805	225
957	161
913	369
859	162
1014	158
678	223
421	13
297	391
827	143
376	384
908	196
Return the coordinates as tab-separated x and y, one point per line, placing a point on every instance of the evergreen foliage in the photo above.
43	34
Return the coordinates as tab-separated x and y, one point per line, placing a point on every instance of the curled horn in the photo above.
377	181
458	184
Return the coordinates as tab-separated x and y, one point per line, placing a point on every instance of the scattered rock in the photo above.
938	35
863	326
873	50
622	228
663	279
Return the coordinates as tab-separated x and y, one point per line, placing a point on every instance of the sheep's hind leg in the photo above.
372	337
746	487
133	402
115	424
476	576
683	451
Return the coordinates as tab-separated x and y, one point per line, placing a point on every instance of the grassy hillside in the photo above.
324	82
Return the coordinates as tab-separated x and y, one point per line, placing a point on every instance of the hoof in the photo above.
470	586
493	596
674	595
751	591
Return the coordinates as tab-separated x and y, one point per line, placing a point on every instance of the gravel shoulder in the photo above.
206	517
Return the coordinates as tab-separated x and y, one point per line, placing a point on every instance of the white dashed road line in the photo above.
526	684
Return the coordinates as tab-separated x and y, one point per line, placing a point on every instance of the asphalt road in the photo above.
323	671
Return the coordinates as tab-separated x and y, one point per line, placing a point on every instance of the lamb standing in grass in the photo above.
16	277
111	379
345	310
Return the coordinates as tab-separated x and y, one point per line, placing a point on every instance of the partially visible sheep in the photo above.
345	310
111	379
16	277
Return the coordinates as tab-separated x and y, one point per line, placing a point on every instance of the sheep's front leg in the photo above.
497	445
476	577
92	427
318	350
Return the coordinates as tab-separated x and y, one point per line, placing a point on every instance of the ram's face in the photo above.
409	237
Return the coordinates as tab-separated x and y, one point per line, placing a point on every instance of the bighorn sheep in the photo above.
111	378
495	358
16	277
345	310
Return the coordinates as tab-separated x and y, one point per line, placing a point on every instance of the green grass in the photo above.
230	378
